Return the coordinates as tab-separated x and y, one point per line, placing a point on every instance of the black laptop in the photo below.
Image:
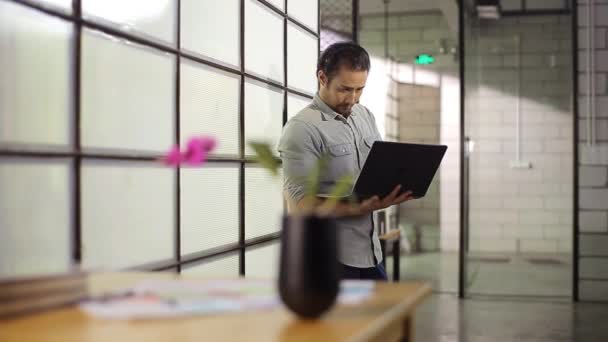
390	164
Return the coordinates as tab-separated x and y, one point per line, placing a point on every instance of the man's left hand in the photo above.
391	199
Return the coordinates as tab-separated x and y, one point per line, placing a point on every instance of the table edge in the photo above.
376	328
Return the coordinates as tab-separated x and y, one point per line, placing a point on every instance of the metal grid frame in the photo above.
338	21
576	154
566	9
76	154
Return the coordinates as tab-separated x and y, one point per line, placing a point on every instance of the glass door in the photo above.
519	157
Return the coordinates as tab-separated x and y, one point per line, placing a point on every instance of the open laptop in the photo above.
390	164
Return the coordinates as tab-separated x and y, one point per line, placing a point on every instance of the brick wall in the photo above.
428	112
593	160
419	113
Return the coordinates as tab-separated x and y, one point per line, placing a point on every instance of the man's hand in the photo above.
373	204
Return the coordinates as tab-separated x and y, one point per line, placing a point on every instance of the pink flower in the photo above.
197	150
173	157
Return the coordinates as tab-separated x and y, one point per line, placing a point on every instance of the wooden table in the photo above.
387	316
392	236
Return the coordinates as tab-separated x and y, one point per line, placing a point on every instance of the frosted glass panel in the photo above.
128	213
35	216
280	4
153	18
211	28
262	262
127	95
209	207
510	5
545	4
263	41
302	51
210	105
304	11
223	267
263	114
295	104
64	5
263	202
34	77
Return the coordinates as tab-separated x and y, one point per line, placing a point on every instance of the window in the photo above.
295	103
153	19
262	261
301	59
263	203
127	95
305	12
218	23
209	207
262	26
127	213
263	113
208	105
80	173
25	35
35	205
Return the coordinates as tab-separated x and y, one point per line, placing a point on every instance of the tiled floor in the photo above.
513	299
496	274
444	318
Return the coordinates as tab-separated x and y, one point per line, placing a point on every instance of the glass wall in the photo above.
519	128
92	93
518	124
418	102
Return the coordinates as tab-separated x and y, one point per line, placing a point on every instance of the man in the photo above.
334	124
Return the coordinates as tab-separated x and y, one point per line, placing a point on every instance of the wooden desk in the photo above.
393	236
387	316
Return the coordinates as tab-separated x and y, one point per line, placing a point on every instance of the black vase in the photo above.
309	274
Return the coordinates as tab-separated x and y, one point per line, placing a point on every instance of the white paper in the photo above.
184	297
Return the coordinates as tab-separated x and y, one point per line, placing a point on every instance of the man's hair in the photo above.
347	54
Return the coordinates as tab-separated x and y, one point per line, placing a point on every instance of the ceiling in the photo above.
343	8
449	8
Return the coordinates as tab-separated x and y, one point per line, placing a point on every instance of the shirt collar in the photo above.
327	111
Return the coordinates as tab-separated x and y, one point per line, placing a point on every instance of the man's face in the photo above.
342	92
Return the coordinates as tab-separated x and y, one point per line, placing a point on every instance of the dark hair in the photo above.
347	54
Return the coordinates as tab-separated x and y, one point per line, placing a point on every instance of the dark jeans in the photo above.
371	273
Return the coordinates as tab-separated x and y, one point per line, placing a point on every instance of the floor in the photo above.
443	318
492	274
511	299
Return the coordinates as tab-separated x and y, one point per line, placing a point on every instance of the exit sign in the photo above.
424	59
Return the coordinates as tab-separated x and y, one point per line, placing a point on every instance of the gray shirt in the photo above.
317	130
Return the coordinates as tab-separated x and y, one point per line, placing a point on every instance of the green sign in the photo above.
425	59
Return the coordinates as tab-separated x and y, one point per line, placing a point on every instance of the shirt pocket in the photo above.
340	150
366	146
340	163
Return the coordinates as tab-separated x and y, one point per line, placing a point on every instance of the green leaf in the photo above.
265	157
342	188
